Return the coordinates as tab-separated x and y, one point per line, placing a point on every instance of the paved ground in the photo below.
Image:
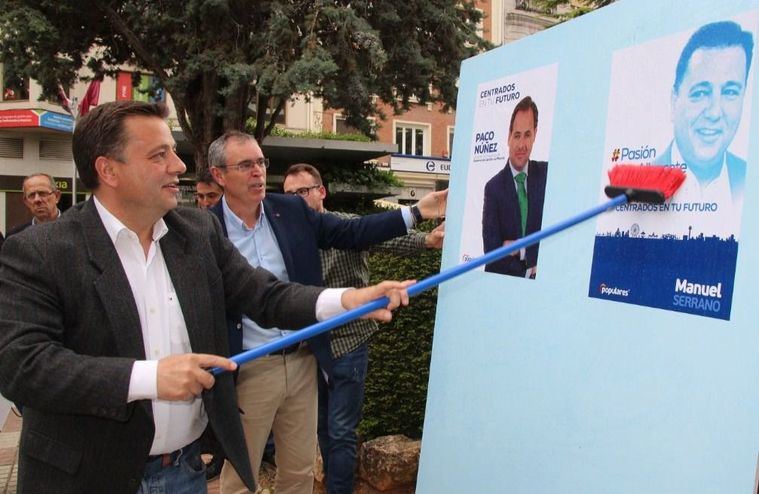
9	436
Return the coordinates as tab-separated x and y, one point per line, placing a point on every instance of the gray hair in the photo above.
216	151
53	186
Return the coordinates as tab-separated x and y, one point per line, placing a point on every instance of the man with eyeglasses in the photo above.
280	233
41	197
342	396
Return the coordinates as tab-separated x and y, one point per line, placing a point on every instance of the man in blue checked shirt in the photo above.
341	394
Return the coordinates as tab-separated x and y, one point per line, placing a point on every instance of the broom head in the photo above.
644	183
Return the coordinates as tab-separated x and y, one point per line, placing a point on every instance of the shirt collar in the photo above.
676	157
230	218
114	226
34	218
514	171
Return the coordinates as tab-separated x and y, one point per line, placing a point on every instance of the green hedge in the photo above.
399	354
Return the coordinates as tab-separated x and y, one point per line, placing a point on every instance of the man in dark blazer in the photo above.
110	316
282	234
504	218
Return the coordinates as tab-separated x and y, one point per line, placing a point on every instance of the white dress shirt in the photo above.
164	333
723	214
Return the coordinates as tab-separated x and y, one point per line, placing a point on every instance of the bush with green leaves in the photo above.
399	354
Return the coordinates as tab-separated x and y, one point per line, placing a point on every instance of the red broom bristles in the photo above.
665	179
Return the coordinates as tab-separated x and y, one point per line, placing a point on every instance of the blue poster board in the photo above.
563	383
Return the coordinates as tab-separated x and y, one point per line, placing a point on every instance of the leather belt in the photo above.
166	459
289	349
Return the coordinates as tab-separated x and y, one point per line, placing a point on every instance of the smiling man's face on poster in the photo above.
707	105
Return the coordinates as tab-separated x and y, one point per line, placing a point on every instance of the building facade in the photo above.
35	136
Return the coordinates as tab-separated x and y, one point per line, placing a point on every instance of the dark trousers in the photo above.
340	404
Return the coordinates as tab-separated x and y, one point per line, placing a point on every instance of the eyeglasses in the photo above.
246	165
43	194
303	191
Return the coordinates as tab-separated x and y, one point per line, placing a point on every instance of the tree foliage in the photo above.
223	61
578	7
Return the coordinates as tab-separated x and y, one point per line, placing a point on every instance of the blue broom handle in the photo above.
419	287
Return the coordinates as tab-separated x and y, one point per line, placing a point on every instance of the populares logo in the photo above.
613	290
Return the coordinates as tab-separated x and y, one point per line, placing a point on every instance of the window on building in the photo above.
53	149
450	141
11	147
15	86
412	139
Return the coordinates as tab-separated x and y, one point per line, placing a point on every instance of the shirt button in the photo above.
152	310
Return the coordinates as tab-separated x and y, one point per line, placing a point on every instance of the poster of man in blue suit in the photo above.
508	158
680	256
513	204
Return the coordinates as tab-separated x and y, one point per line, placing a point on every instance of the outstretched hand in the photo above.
433	204
393	290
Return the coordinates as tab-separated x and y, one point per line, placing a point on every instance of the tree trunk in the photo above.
204	125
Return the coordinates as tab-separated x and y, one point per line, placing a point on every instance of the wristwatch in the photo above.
416	214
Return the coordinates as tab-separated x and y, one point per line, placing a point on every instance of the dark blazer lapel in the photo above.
112	286
218	211
534	181
279	227
185	270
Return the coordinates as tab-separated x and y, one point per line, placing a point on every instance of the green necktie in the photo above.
522	195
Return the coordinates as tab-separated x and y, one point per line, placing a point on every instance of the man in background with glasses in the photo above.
280	233
342	397
41	197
